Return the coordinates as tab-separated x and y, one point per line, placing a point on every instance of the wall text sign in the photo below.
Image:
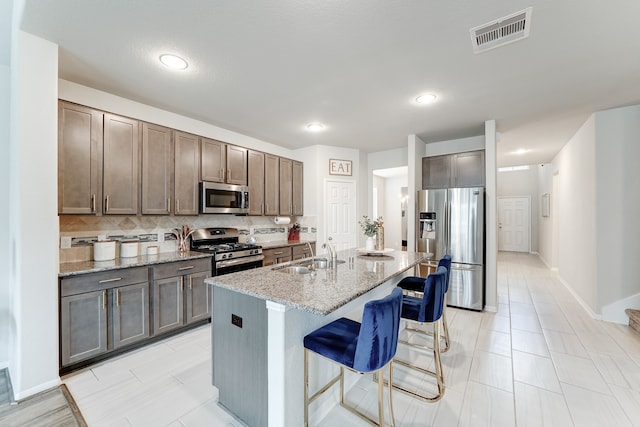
340	167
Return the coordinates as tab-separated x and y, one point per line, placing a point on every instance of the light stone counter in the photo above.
327	289
84	267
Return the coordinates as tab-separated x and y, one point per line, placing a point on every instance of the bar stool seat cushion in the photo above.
336	341
366	346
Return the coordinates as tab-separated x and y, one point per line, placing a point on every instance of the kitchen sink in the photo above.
296	269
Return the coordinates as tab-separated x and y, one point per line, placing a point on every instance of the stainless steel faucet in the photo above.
310	249
333	262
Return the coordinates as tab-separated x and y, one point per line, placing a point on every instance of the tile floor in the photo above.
540	361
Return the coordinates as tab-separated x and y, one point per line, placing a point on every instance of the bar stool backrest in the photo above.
445	261
378	339
433	297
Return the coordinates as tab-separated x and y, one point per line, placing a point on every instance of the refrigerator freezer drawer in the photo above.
466	286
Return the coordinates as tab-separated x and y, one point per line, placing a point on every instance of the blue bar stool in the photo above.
414	287
418	312
366	347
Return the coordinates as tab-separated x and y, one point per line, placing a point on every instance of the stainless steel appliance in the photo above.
451	221
230	255
219	198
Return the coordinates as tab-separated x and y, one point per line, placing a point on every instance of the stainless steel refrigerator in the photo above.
451	221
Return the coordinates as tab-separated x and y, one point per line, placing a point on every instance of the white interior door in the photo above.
341	213
513	224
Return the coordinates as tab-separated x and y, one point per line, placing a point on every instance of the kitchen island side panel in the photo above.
239	362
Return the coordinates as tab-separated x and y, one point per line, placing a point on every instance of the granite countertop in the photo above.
327	289
83	267
282	243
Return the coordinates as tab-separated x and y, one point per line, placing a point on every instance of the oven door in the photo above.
219	198
238	264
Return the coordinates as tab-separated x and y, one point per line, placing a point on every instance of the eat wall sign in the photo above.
340	167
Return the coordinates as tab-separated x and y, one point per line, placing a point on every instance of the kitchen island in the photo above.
261	316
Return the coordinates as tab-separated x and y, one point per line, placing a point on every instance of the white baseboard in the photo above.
35	390
614	312
584	305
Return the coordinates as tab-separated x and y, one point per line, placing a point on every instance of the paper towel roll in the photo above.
281	220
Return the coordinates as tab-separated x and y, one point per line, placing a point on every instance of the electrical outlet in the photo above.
161	236
102	237
236	320
65	242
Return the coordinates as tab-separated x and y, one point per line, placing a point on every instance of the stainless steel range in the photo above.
230	255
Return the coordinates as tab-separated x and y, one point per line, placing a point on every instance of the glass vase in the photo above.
379	238
369	243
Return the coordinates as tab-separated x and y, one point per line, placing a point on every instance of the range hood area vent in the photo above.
501	31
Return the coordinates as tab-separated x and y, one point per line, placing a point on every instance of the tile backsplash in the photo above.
78	232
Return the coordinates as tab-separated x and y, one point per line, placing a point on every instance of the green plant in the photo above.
369	225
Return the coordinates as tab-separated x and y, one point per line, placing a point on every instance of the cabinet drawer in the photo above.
180	268
276	255
302	250
104	280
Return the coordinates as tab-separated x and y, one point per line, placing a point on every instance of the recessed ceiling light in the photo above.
427	98
315	127
521	151
173	62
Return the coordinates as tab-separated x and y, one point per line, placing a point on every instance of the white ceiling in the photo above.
267	68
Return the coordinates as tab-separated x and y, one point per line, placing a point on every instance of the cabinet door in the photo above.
168	311
187	170
286	202
271	185
79	159
83	326
197	297
236	165
213	160
120	162
256	182
130	314
157	170
296	188
468	169
436	172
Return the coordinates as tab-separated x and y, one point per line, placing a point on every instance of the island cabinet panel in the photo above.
79	159
286	177
187	172
130	318
239	354
297	187
120	165
271	184
255	179
157	170
83	326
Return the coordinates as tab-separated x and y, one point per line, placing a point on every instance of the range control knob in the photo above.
229	255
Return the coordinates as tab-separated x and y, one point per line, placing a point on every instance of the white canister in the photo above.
128	249
152	250
104	250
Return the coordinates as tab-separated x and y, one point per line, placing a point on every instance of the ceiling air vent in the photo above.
501	31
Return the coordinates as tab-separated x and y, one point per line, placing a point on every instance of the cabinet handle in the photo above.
221	174
186	268
278	253
168	204
182	286
115	279
177	205
190	285
93	203
106	204
104	299
118	297
228	174
262	208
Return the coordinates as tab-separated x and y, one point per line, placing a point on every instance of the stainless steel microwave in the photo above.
218	198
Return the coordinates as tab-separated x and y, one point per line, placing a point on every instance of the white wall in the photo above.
575	165
393	212
523	183
5	98
617	232
33	359
491	207
454	146
415	152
